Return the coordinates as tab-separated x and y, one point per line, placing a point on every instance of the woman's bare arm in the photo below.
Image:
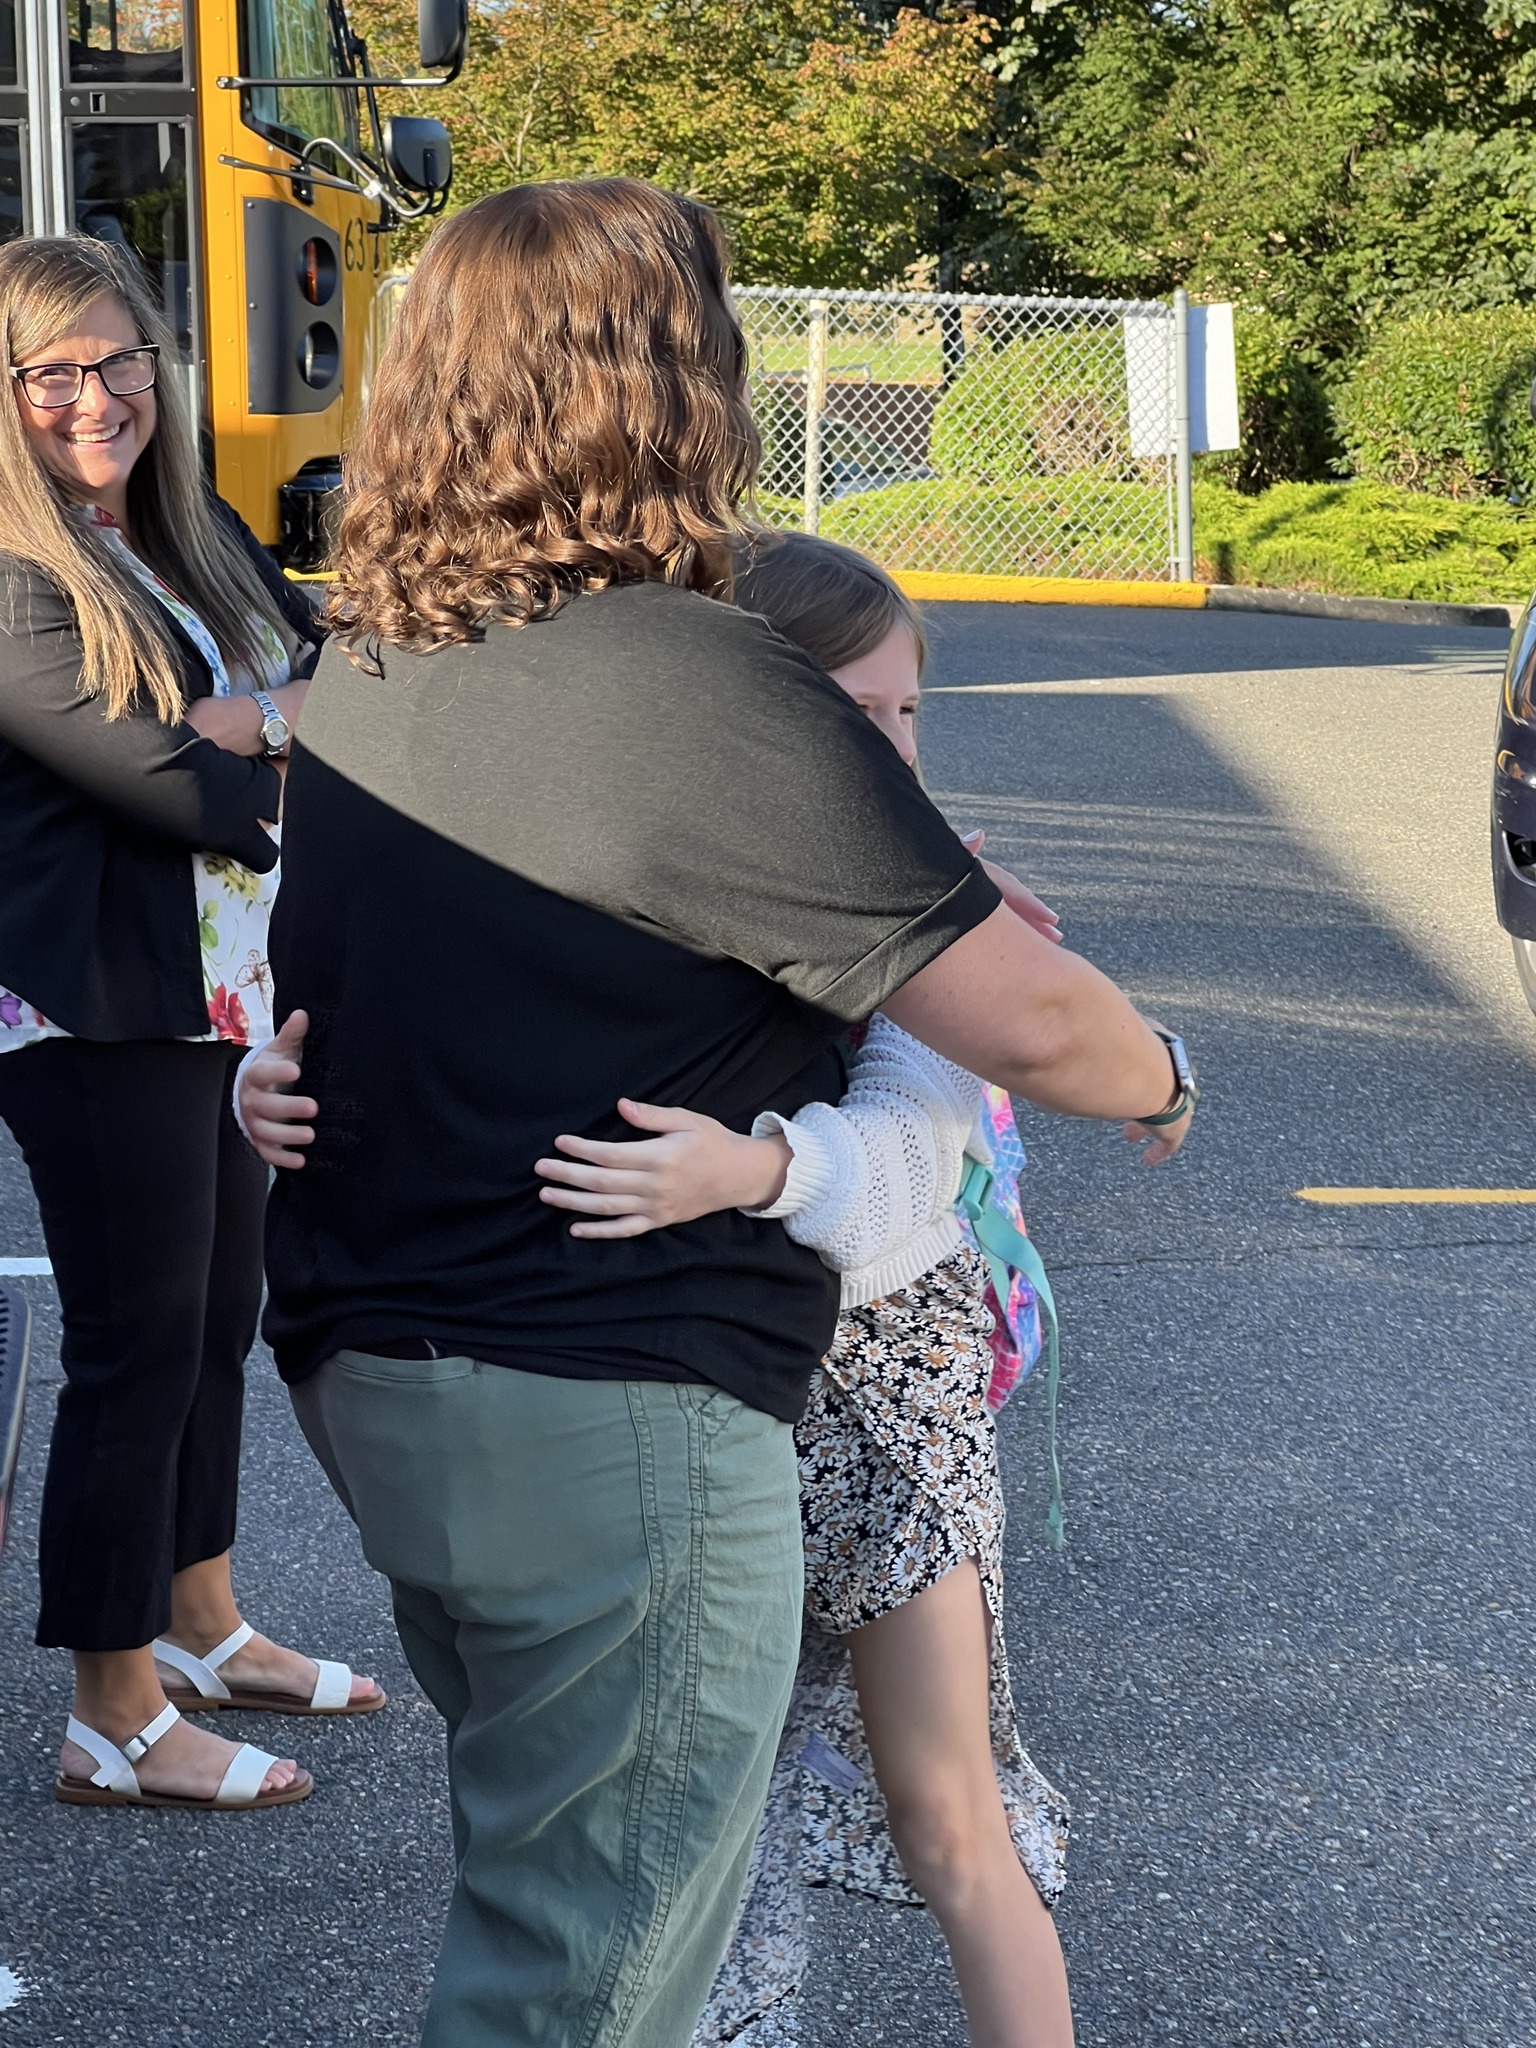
1041	1022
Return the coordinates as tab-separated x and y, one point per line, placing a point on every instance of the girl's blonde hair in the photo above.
47	283
561	405
829	599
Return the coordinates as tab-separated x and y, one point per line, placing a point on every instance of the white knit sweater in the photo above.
872	1182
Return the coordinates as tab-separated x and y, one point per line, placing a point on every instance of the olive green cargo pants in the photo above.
598	1584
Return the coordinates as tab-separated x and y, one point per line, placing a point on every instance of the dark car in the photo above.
1514	802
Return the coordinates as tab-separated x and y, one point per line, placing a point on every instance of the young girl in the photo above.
904	1671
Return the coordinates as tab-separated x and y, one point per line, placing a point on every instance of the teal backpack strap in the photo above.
1006	1251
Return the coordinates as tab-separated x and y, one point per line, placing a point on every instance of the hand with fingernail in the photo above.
1023	902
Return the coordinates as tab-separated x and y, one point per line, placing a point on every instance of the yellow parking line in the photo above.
1343	1198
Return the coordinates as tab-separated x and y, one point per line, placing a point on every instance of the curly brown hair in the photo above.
560	406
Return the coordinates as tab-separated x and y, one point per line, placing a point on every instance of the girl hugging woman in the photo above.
900	1775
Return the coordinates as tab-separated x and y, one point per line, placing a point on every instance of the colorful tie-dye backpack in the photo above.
1018	1293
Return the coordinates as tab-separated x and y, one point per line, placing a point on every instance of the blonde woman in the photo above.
151	664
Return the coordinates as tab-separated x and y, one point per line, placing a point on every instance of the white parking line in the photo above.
11	1988
24	1269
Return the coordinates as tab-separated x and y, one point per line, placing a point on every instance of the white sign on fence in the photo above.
1212	379
1149	380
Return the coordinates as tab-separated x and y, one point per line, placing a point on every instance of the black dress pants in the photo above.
152	1213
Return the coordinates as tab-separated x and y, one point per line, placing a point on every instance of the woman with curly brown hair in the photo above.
565	828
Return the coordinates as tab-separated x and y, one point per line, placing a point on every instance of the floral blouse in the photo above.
234	903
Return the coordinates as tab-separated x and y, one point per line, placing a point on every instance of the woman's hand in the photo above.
1160	1144
232	723
235	723
694	1167
1022	902
276	1120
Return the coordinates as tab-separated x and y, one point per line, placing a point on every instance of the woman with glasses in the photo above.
152	663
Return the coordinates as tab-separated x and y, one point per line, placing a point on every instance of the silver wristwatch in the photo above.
275	729
1186	1088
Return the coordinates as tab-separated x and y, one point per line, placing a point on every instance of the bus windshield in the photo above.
293	39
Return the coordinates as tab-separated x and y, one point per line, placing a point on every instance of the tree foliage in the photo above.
822	136
1333	162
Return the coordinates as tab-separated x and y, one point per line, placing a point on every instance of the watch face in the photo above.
1180	1057
275	733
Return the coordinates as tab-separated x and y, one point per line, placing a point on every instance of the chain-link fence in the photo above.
990	435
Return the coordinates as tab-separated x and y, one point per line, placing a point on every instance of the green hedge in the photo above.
1056	526
1440	403
1352	539
1366	540
1043	406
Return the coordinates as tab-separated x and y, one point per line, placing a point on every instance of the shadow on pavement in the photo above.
1284	1672
1047	643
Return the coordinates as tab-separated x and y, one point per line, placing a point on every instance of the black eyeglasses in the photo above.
52	386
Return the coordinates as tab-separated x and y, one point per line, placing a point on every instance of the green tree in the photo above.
1331	162
982	243
820	135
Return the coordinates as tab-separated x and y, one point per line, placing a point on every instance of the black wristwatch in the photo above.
1187	1090
275	729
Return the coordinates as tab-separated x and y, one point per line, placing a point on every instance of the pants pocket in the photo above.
403	1372
715	1408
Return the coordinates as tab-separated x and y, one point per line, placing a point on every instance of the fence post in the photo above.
815	402
1184	564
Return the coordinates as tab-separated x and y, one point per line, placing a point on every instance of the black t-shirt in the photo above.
642	848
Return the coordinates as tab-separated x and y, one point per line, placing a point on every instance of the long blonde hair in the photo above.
561	405
47	282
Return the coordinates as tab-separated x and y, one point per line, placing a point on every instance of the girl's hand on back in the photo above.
1021	901
692	1168
275	1119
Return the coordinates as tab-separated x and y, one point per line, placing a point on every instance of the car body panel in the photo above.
1514	786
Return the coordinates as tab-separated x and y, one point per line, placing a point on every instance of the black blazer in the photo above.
98	817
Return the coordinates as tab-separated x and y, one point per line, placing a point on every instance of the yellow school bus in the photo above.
237	146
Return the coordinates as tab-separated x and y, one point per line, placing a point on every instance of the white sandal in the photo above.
208	1692
113	1782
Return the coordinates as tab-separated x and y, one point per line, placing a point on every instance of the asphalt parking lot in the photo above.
1286	1668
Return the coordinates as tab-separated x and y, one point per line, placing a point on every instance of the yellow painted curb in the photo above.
938	587
1431	1197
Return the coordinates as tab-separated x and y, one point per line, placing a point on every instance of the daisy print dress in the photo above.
899	1484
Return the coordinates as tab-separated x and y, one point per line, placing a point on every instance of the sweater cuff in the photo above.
810	1172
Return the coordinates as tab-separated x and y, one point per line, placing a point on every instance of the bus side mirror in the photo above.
442	29
418	154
